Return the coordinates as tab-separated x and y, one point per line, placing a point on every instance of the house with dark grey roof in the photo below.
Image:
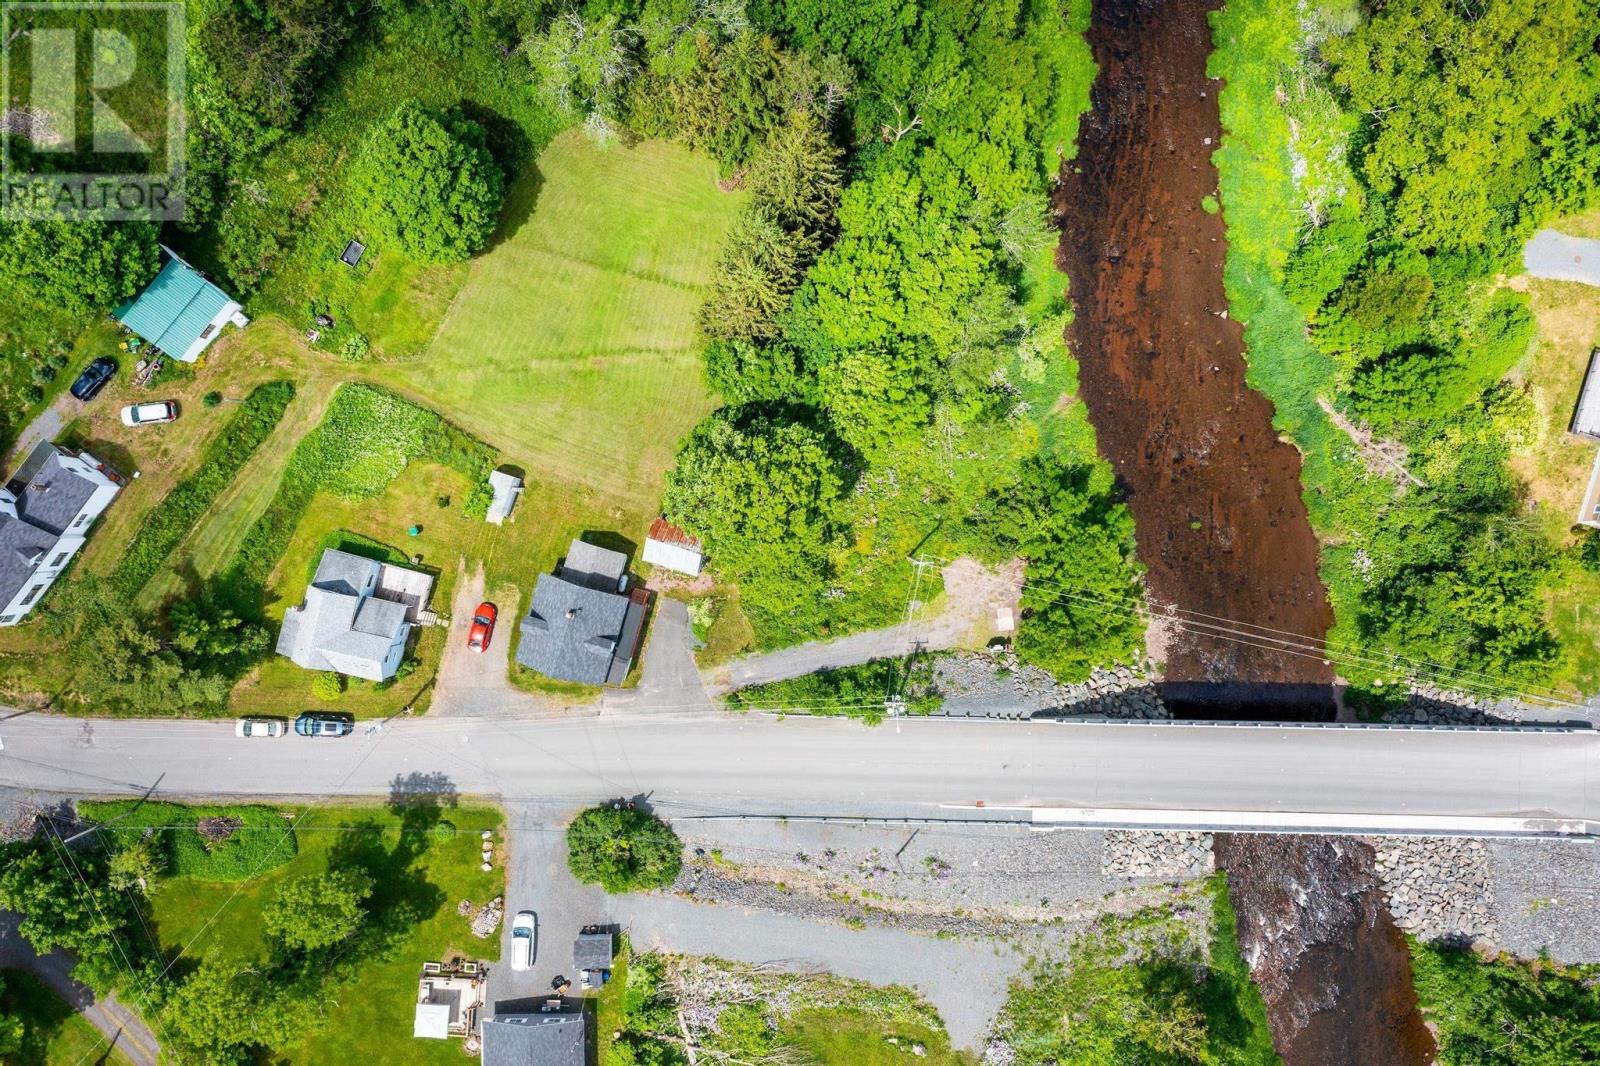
356	618
46	509
554	1039
583	625
180	312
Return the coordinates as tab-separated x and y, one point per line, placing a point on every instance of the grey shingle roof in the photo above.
49	495
533	1040
594	566
337	628
571	631
592	951
22	548
339	571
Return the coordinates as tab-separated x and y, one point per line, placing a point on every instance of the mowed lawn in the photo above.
573	345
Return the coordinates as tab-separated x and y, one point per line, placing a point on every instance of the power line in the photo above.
1261	637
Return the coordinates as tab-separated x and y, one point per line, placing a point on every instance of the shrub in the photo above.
327	686
859	691
167	525
428	184
212	399
626	850
239	842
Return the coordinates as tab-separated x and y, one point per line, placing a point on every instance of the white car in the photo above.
524	931
143	414
259	727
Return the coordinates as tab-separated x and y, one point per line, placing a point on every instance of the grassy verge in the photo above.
1506	1010
1158	985
851	691
53	1034
748	1014
257	839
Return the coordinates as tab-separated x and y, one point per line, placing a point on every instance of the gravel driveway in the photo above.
1551	254
972	592
965	980
537	880
46	425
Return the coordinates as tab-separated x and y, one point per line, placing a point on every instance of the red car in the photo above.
482	627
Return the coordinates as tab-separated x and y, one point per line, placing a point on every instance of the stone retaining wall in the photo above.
1438	887
1155	853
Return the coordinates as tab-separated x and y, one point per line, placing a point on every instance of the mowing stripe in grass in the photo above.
170	522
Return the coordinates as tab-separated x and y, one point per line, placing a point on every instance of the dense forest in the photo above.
1380	175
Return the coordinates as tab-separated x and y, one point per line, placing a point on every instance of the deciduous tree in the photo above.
428	184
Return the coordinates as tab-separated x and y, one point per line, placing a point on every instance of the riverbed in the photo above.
1214	491
1220	523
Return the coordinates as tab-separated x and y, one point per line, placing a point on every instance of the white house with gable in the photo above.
46	509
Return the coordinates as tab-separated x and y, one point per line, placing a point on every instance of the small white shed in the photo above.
507	487
670	547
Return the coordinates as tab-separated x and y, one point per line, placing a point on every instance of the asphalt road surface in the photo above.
716	764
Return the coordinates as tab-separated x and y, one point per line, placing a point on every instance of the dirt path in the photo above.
1214	492
971	593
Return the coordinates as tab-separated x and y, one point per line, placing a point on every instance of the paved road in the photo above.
753	764
123	1029
1551	254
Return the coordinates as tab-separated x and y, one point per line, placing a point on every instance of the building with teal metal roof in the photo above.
180	312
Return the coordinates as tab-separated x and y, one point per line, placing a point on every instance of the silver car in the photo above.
524	933
259	727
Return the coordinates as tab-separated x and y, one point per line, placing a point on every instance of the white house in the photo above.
356	617
46	510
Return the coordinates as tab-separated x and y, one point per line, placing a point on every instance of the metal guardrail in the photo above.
1421	727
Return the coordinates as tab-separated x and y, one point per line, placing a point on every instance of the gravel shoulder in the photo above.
972	592
1546	897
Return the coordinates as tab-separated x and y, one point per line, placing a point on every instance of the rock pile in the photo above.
973	683
1438	887
1431	705
1156	853
487	920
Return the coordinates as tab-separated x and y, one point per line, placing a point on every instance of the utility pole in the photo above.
894	702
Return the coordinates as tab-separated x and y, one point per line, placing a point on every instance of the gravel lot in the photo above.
1001	875
1546	895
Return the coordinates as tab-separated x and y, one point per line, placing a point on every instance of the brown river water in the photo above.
1221	526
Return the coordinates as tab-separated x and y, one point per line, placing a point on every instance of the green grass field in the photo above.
374	1007
572	346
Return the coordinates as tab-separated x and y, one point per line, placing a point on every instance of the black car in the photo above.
324	724
94	378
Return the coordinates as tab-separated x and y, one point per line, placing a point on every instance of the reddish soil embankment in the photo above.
1214	492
